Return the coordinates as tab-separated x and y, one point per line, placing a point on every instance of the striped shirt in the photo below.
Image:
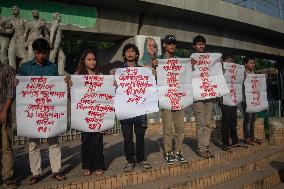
7	89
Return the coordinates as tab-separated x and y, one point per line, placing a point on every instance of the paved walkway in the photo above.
114	158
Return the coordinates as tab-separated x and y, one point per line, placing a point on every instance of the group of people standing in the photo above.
92	143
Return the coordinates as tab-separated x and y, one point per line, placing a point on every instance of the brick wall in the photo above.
190	129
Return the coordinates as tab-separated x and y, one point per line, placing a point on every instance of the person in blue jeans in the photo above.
249	118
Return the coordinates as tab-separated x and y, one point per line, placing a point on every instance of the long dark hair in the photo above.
81	68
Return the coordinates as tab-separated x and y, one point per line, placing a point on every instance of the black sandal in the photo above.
34	179
59	176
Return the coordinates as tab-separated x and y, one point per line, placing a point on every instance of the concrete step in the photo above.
141	177
219	173
262	178
115	161
118	180
279	186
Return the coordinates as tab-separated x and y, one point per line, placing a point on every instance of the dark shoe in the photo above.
248	141
144	165
59	176
169	158
34	179
240	145
203	154
210	154
10	183
179	157
228	149
129	167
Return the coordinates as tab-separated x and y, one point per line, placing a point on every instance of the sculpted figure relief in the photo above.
6	30
16	46
36	28
55	39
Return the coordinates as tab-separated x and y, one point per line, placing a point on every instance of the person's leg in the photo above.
96	151
127	132
34	156
178	118
140	126
85	155
55	158
233	127
246	124
54	154
203	116
167	119
208	116
226	118
252	124
7	154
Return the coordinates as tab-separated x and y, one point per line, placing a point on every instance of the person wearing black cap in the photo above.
172	117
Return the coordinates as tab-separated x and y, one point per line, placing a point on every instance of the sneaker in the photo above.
179	157
129	167
228	149
240	145
248	141
169	158
210	154
258	141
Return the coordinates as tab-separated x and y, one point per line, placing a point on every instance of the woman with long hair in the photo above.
92	142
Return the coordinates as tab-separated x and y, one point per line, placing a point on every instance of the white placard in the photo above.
255	91
234	75
41	106
136	93
174	79
92	102
208	80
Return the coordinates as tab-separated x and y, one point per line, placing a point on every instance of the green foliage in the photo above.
74	48
183	53
263	64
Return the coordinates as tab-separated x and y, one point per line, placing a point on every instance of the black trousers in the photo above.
249	122
229	124
140	125
92	148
